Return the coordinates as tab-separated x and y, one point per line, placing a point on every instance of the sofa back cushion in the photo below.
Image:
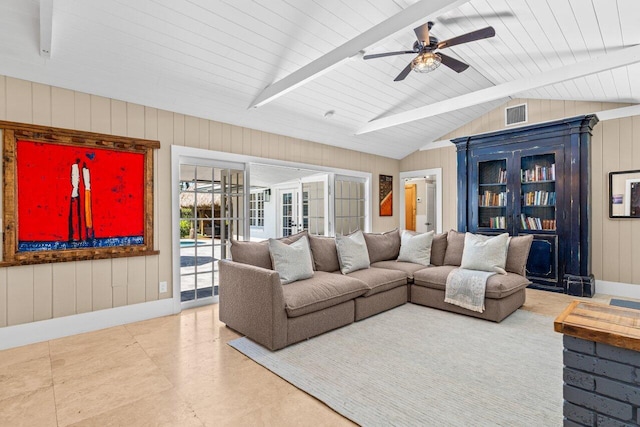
485	253
291	261
383	246
352	252
416	248
438	249
518	254
325	255
257	253
455	246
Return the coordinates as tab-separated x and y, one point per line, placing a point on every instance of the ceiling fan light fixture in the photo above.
426	62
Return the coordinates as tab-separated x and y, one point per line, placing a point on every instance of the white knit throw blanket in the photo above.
466	288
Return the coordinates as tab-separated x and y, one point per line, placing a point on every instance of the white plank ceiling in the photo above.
211	59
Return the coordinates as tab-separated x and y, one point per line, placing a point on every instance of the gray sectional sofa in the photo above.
255	303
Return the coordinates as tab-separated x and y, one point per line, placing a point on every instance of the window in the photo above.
256	209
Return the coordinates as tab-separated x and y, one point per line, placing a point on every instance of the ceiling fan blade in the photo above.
422	34
380	55
483	33
454	64
404	73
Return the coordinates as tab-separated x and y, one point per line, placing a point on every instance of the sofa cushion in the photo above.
319	292
380	279
383	246
455	246
518	254
416	248
438	248
352	252
407	268
498	285
485	253
325	255
292	262
257	253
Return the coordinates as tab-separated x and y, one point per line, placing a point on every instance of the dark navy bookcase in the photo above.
532	180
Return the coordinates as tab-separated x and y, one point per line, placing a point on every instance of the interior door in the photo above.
410	206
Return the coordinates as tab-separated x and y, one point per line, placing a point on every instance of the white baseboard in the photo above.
618	289
44	330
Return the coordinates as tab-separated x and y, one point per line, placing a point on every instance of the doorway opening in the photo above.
421	201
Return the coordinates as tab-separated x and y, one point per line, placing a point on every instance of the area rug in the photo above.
625	303
419	366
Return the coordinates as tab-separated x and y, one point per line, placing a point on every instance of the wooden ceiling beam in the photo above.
620	58
416	13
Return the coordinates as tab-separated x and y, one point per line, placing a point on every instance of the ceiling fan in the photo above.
427	60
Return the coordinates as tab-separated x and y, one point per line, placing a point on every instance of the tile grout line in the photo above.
53	387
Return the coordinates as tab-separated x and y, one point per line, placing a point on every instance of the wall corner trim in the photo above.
44	330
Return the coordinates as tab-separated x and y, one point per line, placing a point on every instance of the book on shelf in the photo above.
502	176
539	198
489	198
497	222
539	173
534	223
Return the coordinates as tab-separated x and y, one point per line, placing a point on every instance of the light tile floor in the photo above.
173	371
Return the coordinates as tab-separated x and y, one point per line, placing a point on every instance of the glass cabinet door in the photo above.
538	192
490	202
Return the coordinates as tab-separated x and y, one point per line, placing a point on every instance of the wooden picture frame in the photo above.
386	195
71	195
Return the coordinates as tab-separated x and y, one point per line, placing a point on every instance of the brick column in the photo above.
601	384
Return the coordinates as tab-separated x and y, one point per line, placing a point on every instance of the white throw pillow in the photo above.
485	253
352	252
416	248
292	262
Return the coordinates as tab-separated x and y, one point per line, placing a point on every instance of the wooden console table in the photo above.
601	364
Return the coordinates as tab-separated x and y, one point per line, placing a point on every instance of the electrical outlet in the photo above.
163	287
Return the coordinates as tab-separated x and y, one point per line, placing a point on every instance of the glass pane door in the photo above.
314	207
350	198
288	212
211	212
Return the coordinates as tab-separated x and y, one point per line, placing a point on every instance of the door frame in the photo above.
187	155
437	172
178	151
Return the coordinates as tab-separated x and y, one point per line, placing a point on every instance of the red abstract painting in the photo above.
73	197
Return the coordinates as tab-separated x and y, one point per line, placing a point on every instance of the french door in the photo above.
212	211
289	214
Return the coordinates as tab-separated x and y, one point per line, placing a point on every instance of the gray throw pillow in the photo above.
383	246
485	253
455	246
438	248
518	254
352	252
292	262
416	248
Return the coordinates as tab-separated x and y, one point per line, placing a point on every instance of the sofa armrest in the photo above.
252	303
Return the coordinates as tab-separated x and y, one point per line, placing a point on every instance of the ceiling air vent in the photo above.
515	115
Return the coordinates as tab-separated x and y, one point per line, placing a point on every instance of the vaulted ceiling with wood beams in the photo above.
301	61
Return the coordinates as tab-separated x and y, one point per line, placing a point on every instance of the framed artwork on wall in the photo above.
386	195
70	195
